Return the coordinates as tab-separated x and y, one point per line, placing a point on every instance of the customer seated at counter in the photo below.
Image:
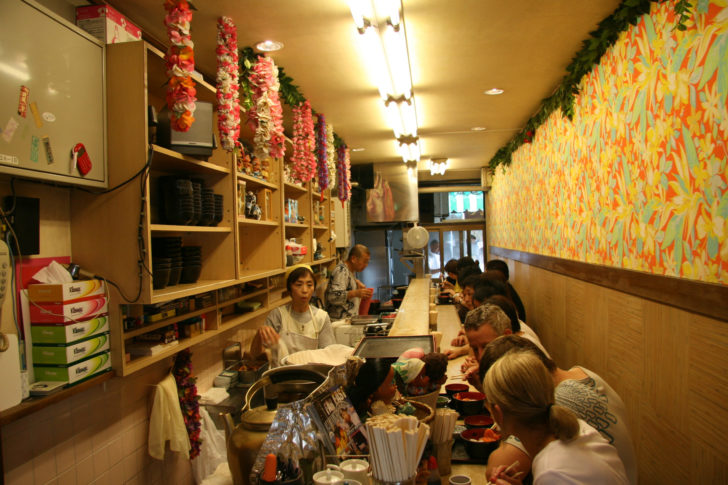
344	291
372	387
482	326
451	280
578	389
500	268
297	325
564	449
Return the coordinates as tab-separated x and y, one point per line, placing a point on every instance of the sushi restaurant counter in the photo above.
413	319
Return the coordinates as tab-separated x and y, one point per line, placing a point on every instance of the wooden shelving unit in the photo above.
112	233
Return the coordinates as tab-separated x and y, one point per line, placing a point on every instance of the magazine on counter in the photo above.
343	431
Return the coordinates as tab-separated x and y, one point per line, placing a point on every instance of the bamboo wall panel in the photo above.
670	367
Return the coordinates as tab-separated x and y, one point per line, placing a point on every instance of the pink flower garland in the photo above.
343	172
303	159
321	159
180	62
189	400
228	105
266	114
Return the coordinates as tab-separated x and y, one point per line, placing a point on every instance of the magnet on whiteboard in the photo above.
49	153
36	115
49	117
9	129
23	101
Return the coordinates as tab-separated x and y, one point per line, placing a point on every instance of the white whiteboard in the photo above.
62	68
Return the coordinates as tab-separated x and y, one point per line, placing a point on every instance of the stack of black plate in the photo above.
177	200
218	209
170	248
208	207
191	264
197	185
161	268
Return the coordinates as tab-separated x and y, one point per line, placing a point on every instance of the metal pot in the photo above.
282	384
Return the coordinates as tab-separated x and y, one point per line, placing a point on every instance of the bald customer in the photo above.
344	292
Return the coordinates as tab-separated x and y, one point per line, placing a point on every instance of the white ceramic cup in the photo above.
328	477
460	480
355	469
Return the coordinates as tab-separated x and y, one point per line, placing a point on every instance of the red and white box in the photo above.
107	24
68	311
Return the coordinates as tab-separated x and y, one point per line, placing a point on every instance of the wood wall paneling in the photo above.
669	365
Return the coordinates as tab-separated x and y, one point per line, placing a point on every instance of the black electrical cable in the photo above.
140	172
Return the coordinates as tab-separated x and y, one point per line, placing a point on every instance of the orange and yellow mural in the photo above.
638	178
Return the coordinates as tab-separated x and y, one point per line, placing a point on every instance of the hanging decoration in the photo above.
303	160
228	104
626	15
266	114
189	401
322	154
343	171
180	62
331	155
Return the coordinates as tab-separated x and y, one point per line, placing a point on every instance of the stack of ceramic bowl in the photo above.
160	272
197	185
177	200
191	264
208	207
218	209
169	248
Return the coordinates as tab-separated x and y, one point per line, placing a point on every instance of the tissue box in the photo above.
68	354
73	311
75	290
107	24
72	332
73	372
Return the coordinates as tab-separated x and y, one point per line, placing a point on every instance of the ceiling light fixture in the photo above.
384	46
493	91
408	147
477	128
438	166
269	46
359	149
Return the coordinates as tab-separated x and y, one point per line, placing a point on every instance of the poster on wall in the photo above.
394	195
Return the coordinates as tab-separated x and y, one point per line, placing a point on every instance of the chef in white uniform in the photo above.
297	325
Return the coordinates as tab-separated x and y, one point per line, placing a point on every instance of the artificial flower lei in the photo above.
228	103
189	401
321	154
180	62
303	159
344	173
266	114
331	155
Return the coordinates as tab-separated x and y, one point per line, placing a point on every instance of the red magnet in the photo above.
82	160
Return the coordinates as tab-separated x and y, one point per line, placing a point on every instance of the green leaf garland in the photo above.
627	14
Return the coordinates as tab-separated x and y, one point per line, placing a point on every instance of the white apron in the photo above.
292	334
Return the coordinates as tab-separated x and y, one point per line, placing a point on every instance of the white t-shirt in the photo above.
587	459
529	334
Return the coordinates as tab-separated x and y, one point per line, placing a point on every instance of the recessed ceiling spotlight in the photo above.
493	91
358	149
269	46
477	128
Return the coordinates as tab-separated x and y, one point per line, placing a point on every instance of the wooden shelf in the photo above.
322	261
171	161
256	181
295	225
33	404
230	321
254	222
172	228
167	321
247	296
180	291
141	362
318	227
294	189
255	275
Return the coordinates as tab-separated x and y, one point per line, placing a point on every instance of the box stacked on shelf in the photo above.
69	330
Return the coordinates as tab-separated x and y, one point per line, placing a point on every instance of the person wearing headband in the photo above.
297	325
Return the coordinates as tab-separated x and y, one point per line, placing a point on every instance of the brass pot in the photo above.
244	440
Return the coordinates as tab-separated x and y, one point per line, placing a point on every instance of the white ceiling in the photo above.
458	49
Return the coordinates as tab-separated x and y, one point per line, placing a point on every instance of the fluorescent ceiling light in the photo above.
409	149
438	166
269	46
478	128
493	91
358	149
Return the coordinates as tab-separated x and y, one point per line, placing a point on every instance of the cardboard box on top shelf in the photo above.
107	24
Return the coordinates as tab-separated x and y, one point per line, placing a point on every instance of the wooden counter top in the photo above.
413	319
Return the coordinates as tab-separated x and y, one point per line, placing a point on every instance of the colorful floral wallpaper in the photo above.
638	178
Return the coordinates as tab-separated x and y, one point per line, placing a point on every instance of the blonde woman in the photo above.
564	449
